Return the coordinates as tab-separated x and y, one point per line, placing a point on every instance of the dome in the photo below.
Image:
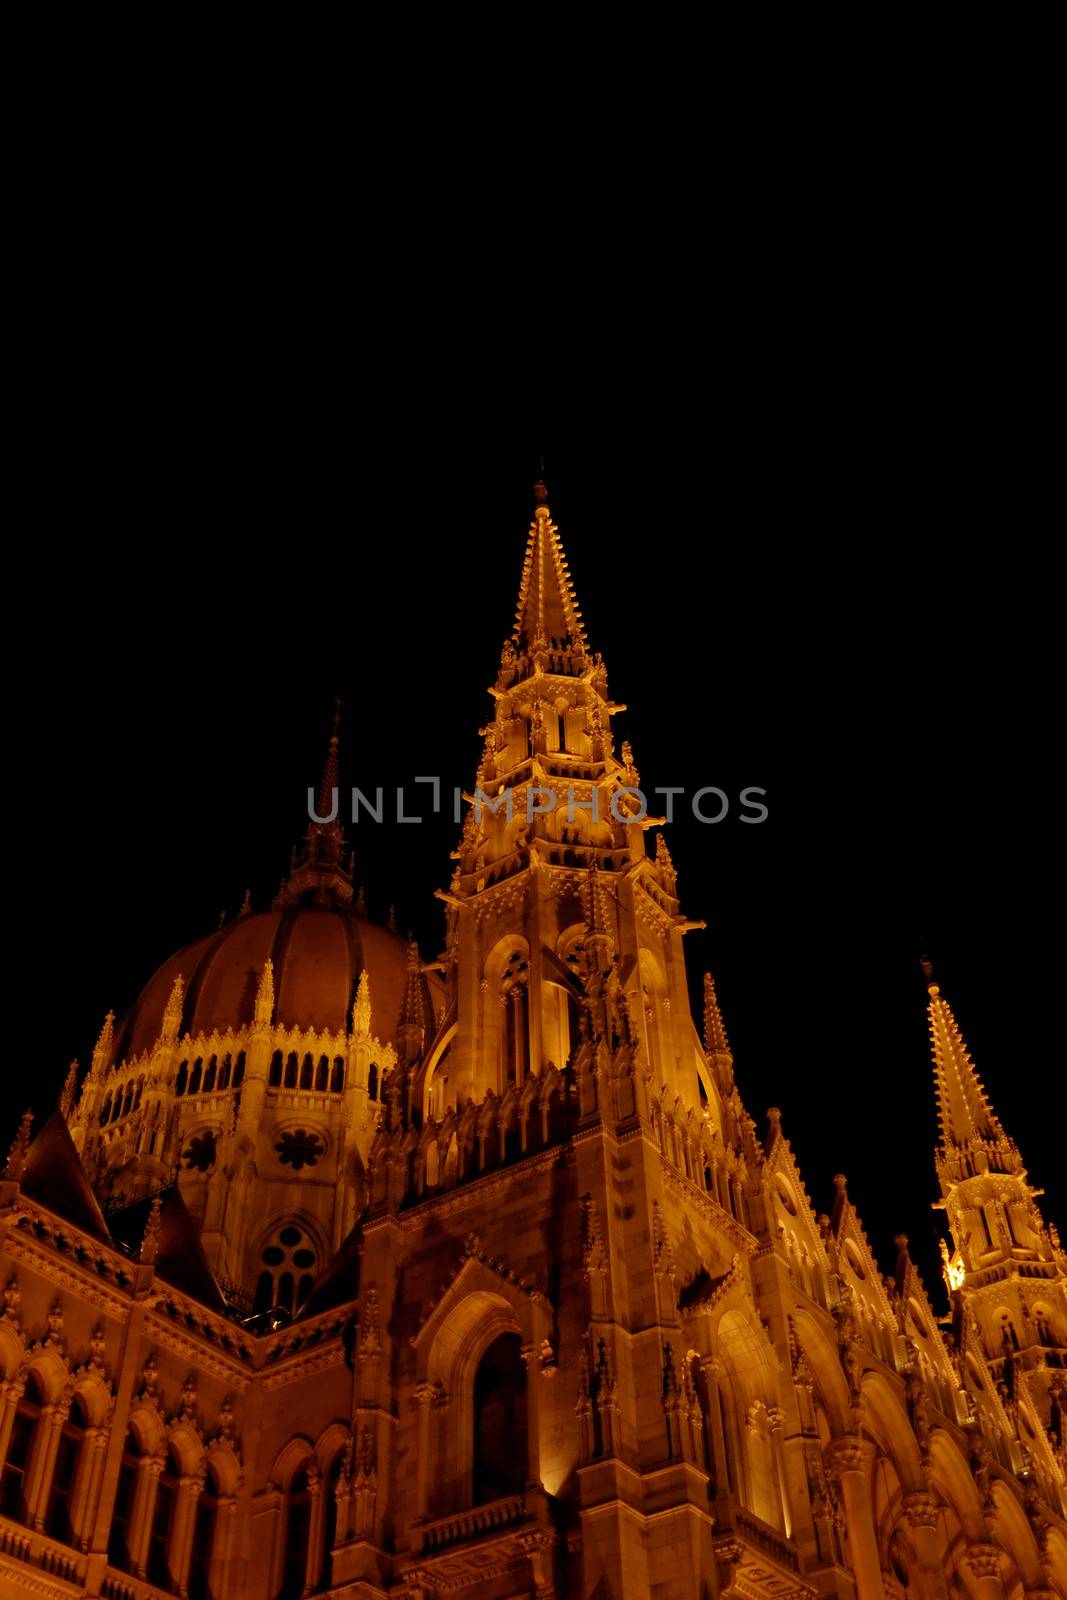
318	956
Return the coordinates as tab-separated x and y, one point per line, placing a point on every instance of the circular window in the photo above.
290	1236
303	1258
273	1256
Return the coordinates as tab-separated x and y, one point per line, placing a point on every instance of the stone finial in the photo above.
265	995
69	1092
172	1016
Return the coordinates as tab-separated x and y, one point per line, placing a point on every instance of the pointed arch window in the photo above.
297	1537
330	1519
224	1071
306	1070
182	1078
291	1069
211	1074
57	1523
197	1073
275	1079
239	1070
19	1450
337	1077
322	1075
372	1081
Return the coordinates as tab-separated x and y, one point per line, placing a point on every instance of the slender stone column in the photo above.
184	1525
848	1459
425	1396
96	1443
776	1418
712	1371
922	1510
531	1355
144	1509
11	1392
53	1417
984	1562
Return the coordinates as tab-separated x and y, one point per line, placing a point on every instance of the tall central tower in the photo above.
554	889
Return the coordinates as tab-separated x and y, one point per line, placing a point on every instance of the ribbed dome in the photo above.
318	956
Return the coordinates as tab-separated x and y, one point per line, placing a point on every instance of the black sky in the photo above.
832	590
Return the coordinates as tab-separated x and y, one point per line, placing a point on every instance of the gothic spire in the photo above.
319	875
716	1044
412	1017
547	608
963	1108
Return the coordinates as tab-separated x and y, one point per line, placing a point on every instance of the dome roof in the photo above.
318	956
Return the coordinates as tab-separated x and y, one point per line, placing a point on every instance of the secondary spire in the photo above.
319	875
963	1107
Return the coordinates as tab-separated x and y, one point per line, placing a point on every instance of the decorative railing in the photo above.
122	1586
737	1521
478	1521
37	1550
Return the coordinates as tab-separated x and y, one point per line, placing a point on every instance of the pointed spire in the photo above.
716	1044
412	1018
318	873
69	1092
172	1016
265	995
547	608
20	1145
963	1109
105	1046
150	1241
361	1007
329	784
246	904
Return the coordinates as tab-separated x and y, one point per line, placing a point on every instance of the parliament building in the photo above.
345	1270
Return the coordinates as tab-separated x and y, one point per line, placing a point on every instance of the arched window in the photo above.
57	1516
127	1104
291	1260
224	1072
116	1109
500	1462
210	1074
337	1079
372	1081
162	1518
106	1112
291	1067
194	1081
307	1067
276	1070
118	1553
19	1449
239	1070
138	1094
182	1078
322	1074
297	1531
203	1538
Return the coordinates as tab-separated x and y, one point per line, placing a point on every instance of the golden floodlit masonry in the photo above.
346	1272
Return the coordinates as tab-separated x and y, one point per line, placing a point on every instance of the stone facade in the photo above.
344	1272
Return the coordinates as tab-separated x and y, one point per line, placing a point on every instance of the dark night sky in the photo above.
830	591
